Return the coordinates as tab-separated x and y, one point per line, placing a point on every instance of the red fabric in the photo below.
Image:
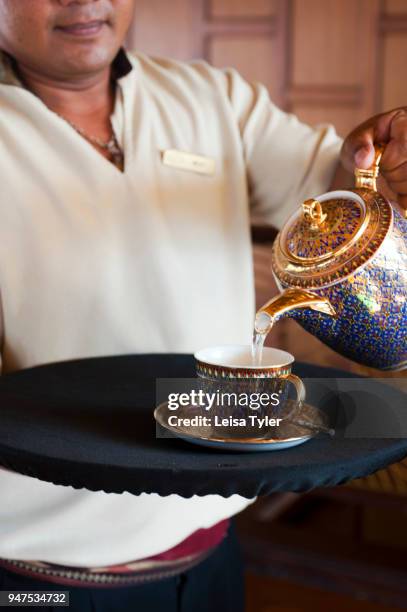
197	542
197	546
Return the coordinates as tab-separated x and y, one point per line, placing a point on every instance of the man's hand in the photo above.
390	129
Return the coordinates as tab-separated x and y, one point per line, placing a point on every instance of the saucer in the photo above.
244	438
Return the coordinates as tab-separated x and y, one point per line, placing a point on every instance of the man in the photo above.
102	224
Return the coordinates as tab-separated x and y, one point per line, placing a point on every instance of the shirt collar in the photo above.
122	66
7	74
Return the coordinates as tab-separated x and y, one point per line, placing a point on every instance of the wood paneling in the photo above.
326	42
322	59
396	6
334	61
394	63
231	8
252	56
340	116
164	28
248	36
333	64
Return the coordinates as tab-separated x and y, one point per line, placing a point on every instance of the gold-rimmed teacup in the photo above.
230	369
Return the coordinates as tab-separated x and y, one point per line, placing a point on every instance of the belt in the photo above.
147	571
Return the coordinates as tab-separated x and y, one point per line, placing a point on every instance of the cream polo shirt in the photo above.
155	259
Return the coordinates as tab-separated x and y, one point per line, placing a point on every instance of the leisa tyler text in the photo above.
250	420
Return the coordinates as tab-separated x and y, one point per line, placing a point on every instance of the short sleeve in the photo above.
287	161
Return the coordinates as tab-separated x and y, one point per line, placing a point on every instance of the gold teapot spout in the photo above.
290	299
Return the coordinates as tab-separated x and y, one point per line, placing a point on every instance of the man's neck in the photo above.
87	102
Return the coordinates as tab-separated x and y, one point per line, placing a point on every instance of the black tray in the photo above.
89	423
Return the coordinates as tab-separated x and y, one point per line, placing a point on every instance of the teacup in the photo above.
230	369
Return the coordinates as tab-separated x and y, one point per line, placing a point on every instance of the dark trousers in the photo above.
214	585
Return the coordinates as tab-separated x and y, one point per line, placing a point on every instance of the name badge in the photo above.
188	161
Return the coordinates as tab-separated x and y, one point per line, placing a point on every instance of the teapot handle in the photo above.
366	179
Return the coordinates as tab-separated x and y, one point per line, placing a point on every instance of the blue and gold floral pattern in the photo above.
370	304
330	262
341	225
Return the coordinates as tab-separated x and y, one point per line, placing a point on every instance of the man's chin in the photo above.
85	60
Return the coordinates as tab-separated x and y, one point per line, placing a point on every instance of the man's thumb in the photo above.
364	155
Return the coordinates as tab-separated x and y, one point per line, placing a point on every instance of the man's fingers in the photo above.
402	200
395	175
398	125
395	153
364	156
400	190
358	150
376	130
389	129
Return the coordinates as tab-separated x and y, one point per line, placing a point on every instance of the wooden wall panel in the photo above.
333	61
394	62
322	59
336	61
326	42
231	8
252	56
393	29
396	6
341	117
249	36
164	28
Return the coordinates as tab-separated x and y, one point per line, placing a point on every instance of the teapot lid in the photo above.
331	236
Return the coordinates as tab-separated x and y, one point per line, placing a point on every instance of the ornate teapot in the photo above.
341	264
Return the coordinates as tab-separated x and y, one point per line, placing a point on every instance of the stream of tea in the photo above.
262	328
